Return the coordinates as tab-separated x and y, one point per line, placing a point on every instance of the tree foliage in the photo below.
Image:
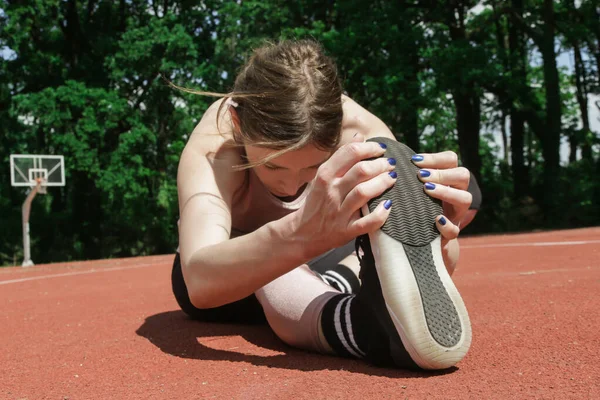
88	79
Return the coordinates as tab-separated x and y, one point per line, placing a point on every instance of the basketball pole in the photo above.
36	172
26	209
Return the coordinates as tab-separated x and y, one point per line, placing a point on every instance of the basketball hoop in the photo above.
37	173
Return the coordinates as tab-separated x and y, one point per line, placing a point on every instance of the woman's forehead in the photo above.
306	156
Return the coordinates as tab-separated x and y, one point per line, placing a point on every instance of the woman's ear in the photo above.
234	118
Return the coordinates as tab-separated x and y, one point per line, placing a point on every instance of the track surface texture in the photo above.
112	329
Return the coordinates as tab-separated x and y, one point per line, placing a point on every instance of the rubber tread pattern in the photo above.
441	315
413	212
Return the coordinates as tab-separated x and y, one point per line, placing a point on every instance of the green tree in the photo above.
86	79
89	80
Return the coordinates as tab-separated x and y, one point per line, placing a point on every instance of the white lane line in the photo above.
477	246
476	275
545	271
90	271
533	244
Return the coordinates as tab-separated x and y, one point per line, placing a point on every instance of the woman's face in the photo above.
287	175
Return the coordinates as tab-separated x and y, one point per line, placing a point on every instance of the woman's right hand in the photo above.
351	177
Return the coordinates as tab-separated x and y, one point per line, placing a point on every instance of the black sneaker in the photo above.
405	285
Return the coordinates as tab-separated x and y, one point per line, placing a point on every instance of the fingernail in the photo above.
387	204
383	146
429	186
417	157
392	161
393	174
442	221
424	173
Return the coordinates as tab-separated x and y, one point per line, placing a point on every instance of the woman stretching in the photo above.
298	205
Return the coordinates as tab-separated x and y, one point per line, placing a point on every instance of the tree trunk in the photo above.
596	31
573	146
506	156
551	139
74	37
468	112
467	104
518	61
409	116
409	123
520	172
582	95
502	100
530	157
85	198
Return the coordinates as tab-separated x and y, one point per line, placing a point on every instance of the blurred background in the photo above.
511	85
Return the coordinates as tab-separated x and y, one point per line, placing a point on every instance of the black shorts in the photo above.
248	310
245	311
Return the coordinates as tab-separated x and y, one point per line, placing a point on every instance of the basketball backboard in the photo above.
26	168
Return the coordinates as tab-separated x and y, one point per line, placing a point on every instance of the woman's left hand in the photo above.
445	180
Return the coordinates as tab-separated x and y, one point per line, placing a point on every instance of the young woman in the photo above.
275	184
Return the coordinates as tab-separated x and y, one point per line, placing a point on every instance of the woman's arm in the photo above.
358	119
218	270
223	270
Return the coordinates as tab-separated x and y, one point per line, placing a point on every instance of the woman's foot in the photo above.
405	284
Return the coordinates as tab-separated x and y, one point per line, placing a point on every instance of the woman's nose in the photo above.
290	188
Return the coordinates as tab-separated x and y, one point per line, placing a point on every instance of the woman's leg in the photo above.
407	313
293	302
338	271
307	313
330	273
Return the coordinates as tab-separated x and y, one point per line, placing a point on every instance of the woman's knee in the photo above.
292	305
285	328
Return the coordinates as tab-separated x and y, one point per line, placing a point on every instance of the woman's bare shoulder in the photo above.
212	141
214	132
357	119
210	155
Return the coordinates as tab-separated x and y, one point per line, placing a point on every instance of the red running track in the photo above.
112	330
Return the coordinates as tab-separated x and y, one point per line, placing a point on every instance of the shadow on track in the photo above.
176	334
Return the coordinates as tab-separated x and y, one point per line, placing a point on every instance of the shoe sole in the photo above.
422	301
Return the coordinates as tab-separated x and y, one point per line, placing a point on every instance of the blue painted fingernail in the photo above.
392	161
442	221
424	173
383	146
387	204
417	157
429	186
393	174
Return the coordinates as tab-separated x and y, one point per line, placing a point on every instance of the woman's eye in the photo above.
272	168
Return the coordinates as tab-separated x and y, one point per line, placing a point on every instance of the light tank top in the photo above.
254	206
